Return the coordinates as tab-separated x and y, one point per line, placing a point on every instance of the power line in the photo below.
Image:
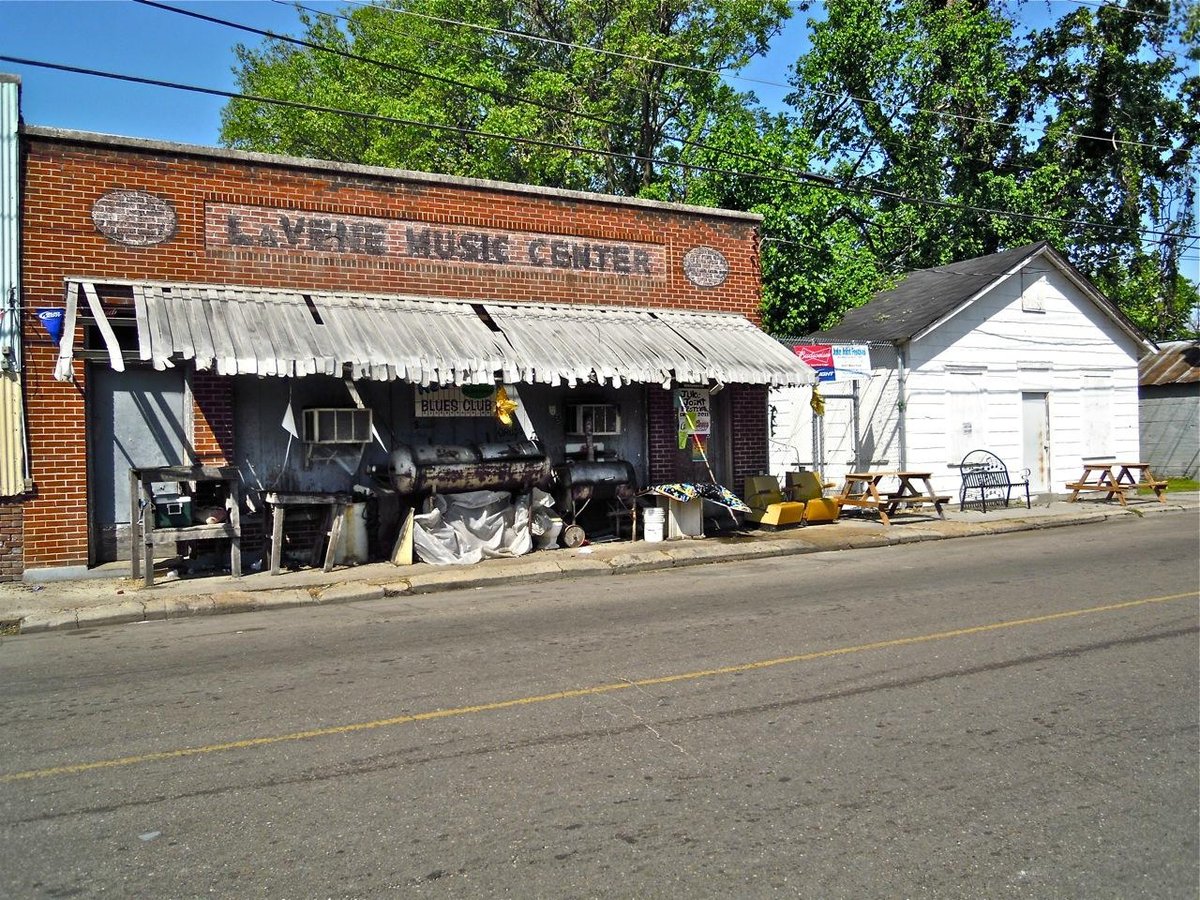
1142	13
414	123
687	142
479	53
395	120
700	70
515	98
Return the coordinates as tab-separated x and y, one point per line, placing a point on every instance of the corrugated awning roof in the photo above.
1176	362
292	333
247	331
652	346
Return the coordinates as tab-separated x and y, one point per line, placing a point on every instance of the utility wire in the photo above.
479	53
687	142
407	70
699	69
456	129
394	120
516	98
1143	13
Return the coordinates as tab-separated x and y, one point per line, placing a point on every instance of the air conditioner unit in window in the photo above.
594	418
337	426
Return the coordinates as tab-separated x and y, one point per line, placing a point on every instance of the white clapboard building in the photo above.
1015	352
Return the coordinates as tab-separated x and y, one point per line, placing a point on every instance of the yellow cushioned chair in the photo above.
805	487
767	504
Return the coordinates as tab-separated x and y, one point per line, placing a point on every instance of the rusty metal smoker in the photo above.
518	467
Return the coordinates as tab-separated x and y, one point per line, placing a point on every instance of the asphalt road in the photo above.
1010	716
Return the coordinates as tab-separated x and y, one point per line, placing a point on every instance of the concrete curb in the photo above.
128	610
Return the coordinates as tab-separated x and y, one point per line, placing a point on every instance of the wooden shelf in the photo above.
147	535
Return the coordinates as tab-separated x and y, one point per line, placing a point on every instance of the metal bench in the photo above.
986	478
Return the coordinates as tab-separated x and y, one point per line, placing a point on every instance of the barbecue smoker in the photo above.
612	484
517	467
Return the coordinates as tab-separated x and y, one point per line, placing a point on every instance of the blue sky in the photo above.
131	39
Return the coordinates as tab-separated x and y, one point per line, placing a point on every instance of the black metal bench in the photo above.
985	477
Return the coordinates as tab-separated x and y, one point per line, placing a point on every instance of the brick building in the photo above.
212	297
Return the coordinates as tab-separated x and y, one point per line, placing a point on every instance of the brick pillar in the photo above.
12	539
663	427
212	415
748	417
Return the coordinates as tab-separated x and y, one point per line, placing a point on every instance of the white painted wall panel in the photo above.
878	423
974	367
1063	349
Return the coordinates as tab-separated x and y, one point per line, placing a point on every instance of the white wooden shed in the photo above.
1015	352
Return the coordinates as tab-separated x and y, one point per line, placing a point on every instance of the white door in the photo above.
137	420
1035	416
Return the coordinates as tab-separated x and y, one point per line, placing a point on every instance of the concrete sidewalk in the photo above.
27	607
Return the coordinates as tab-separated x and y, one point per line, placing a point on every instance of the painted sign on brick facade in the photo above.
229	227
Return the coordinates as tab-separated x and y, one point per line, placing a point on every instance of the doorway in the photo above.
138	420
704	448
1035	417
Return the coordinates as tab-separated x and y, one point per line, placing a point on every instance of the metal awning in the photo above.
424	340
653	346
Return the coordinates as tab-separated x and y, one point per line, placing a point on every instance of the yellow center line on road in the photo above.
392	721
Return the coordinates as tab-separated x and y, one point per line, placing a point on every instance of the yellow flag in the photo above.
504	407
817	402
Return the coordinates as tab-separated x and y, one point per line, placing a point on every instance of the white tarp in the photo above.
462	529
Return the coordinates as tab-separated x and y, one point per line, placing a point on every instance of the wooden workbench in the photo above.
146	534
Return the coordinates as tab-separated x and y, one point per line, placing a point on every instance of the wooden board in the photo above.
402	552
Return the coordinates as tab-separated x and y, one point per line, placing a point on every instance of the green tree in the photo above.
1120	111
918	100
818	253
656	88
1089	120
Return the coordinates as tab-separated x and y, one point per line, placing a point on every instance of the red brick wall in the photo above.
748	432
212	418
63	180
11	540
663	427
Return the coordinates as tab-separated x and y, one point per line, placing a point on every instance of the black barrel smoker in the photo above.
610	484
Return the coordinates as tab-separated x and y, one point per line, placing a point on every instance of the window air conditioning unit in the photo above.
337	426
598	418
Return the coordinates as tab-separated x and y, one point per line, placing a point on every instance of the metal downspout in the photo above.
14	455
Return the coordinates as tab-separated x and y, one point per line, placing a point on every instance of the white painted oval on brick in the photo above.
705	266
134	218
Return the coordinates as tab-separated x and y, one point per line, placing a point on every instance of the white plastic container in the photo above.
654	523
352	548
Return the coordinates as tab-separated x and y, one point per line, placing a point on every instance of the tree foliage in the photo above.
942	129
656	86
1084	132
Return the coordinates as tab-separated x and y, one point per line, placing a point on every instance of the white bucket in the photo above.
654	521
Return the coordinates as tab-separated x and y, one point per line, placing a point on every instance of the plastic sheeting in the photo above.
462	529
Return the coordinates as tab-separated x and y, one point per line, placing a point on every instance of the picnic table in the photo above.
902	491
1116	479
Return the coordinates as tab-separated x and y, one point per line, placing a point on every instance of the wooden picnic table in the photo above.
903	491
1116	479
